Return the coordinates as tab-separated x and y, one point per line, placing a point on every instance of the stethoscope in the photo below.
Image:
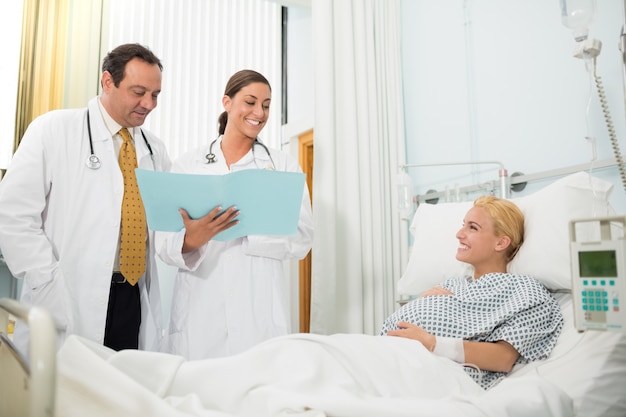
93	162
211	158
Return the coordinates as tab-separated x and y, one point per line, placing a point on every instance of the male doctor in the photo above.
61	204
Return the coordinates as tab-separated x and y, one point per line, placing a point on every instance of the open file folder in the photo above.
268	201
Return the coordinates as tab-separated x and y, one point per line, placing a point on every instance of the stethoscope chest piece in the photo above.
93	162
210	157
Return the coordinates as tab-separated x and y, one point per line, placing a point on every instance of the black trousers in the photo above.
123	315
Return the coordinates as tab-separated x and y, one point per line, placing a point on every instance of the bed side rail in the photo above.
29	383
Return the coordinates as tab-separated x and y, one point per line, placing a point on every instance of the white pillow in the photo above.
545	253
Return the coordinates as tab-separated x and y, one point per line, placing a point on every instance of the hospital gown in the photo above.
498	306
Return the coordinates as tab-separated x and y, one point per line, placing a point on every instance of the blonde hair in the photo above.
508	220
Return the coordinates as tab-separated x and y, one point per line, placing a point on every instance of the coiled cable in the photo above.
610	127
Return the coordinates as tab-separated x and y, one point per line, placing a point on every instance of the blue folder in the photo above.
268	201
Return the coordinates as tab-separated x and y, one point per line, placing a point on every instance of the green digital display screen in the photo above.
600	264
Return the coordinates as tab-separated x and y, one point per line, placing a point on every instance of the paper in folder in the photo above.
268	201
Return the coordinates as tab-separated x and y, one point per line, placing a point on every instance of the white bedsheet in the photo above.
589	366
296	375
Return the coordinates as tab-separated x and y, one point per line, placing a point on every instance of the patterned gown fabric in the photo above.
497	306
133	228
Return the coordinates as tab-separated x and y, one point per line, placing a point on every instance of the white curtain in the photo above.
359	144
201	44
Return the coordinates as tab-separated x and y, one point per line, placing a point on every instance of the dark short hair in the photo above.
116	60
237	81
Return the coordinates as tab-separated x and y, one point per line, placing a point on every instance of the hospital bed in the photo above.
27	381
361	375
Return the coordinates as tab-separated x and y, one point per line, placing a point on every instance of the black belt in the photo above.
118	278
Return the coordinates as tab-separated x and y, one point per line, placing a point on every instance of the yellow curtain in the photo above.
42	60
59	59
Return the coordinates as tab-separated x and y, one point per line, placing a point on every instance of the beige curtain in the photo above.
58	59
42	60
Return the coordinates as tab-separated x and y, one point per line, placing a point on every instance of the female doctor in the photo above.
60	203
231	295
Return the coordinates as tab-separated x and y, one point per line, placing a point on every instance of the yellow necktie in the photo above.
133	229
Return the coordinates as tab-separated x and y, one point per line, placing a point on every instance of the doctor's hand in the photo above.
411	331
199	231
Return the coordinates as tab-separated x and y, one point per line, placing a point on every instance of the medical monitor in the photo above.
598	258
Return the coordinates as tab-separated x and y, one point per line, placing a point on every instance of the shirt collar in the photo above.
111	124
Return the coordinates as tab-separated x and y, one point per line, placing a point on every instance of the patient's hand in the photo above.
438	290
411	331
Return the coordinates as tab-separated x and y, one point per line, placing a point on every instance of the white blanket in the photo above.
300	375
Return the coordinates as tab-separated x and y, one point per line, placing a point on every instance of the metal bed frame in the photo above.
505	183
27	383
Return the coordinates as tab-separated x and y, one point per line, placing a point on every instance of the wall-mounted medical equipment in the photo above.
578	15
404	191
598	258
500	187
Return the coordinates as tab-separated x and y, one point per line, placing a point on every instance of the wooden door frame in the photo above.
305	158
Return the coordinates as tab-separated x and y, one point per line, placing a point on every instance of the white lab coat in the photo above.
229	296
60	220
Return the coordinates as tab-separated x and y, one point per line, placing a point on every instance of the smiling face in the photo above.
136	96
248	110
479	245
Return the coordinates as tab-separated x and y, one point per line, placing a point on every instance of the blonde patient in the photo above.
491	319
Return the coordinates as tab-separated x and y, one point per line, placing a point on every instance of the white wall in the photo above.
495	80
300	81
